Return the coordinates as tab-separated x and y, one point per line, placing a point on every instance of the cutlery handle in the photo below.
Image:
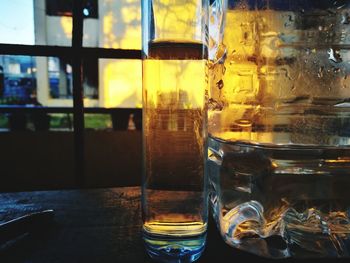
24	224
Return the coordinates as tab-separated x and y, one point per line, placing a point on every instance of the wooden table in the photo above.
99	225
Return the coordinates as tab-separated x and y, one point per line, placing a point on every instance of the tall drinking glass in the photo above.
174	193
279	126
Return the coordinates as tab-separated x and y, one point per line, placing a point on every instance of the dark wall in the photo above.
44	160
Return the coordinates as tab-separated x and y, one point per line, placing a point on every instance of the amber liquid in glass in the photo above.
174	133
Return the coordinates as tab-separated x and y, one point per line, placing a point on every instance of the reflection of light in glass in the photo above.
121	24
183	14
86	12
177	77
121	80
69	69
67	25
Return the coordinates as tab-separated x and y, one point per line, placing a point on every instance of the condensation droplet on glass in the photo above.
320	72
223	70
345	19
339	4
289	21
336	70
287	73
214	105
220	84
334	55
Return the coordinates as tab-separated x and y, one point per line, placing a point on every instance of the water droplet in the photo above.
220	84
345	19
289	21
334	55
287	73
302	11
214	105
320	28
336	70
320	72
340	4
223	70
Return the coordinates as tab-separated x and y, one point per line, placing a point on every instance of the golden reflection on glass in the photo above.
121	24
67	26
122	84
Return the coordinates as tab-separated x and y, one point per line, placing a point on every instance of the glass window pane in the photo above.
60	78
35	81
120	83
36	22
54	81
98	121
107	23
61	122
18	80
16	22
90	78
118	25
53	22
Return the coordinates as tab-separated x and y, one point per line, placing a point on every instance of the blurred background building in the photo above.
48	80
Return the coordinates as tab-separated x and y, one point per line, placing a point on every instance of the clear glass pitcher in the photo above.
279	126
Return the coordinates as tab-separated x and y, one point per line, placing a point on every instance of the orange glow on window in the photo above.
121	80
67	25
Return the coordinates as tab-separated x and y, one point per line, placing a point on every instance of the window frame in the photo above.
77	52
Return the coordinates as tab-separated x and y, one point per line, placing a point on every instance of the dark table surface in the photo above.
99	225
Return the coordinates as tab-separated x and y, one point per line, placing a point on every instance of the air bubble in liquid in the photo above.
334	55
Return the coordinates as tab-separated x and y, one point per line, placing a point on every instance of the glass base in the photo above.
172	249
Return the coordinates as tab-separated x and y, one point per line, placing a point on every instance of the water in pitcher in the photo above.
174	212
279	158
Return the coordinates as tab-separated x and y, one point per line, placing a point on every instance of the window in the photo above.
38	78
106	82
17	80
65	7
